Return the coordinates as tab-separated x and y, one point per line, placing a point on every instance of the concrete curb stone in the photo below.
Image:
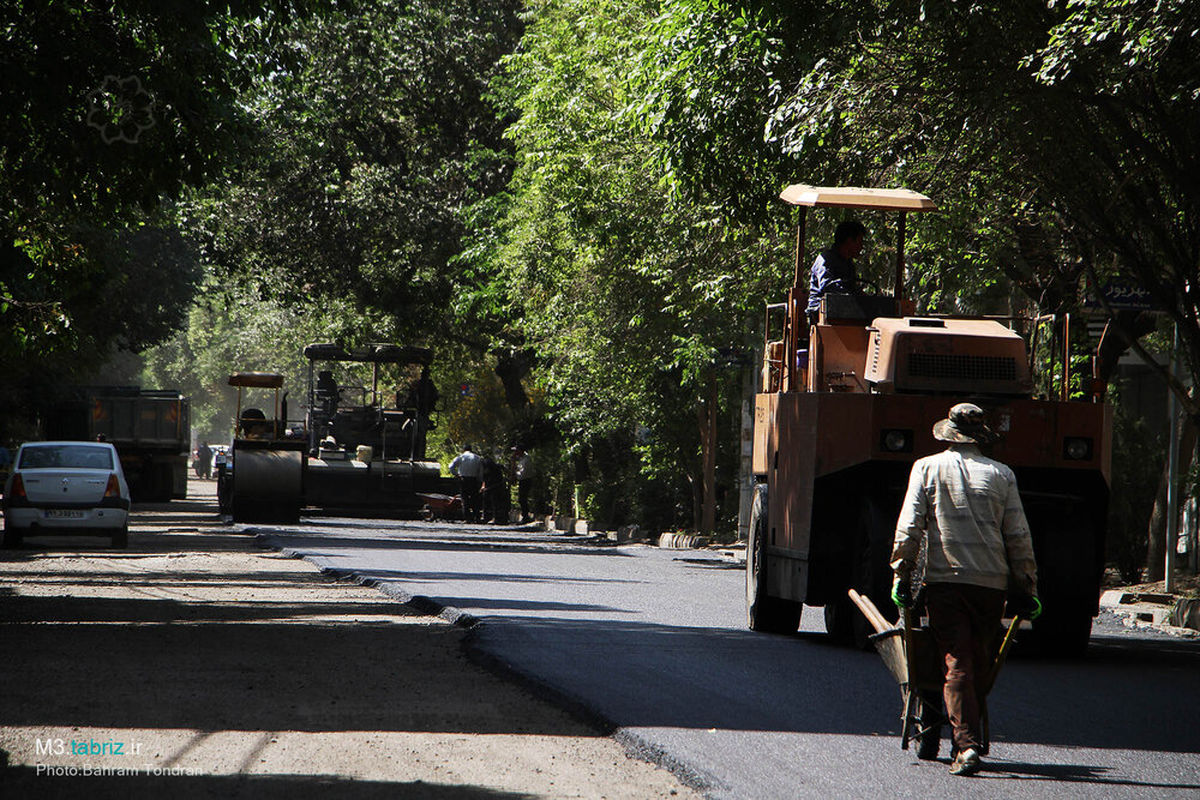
1158	611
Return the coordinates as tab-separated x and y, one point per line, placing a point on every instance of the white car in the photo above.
74	488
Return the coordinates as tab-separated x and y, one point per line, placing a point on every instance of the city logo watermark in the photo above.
90	747
120	109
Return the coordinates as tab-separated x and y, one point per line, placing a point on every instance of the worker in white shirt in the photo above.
468	467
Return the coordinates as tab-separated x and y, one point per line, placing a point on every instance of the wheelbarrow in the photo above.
441	506
911	655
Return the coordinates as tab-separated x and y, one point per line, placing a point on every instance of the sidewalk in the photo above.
194	664
1148	605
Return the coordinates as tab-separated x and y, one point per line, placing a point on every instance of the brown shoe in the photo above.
966	763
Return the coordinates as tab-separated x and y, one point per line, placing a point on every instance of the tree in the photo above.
624	289
1061	136
108	113
366	147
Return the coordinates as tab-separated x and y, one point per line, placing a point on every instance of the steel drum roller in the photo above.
268	475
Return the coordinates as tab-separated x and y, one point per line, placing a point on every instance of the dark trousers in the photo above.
496	502
523	487
965	622
472	509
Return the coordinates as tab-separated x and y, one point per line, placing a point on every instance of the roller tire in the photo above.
764	614
870	575
1069	569
1062	632
840	616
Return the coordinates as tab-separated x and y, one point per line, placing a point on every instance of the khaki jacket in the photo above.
968	508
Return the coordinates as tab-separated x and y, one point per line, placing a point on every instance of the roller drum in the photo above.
267	485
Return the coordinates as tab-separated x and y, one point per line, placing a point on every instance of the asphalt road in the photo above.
654	641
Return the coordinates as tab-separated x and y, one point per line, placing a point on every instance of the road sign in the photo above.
1123	296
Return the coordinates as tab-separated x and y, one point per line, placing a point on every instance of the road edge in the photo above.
634	745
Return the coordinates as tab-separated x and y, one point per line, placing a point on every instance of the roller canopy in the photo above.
370	354
256	380
800	194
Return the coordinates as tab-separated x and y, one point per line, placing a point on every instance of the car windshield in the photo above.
70	456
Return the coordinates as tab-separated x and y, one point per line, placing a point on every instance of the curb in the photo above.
634	745
417	602
1162	612
682	541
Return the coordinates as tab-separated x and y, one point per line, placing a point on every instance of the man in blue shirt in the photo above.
834	269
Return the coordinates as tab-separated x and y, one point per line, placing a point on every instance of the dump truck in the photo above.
150	428
846	404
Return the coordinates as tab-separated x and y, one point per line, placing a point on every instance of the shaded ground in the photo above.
195	665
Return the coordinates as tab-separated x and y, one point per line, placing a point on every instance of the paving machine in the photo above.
846	404
370	410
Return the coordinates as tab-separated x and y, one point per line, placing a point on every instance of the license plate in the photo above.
65	513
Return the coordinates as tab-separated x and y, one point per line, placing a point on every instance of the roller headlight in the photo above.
1077	448
896	440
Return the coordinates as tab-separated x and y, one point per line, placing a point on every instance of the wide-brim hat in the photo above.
966	424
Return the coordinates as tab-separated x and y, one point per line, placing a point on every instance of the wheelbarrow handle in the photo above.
1016	623
1001	654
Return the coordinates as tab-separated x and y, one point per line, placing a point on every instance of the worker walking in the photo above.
978	546
468	466
204	460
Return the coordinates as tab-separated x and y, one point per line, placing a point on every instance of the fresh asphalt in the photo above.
655	643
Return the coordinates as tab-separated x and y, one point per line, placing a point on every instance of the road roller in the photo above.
264	479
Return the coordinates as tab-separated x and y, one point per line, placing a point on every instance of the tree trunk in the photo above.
1156	552
700	486
1137	324
511	368
696	488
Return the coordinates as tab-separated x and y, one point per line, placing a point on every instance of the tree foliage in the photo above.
626	290
581	196
109	112
368	142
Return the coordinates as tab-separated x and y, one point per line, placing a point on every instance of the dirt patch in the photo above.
1183	586
195	665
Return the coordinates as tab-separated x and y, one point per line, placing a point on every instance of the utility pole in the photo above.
746	454
1172	526
709	453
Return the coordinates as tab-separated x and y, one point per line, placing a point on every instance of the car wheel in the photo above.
12	538
120	539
